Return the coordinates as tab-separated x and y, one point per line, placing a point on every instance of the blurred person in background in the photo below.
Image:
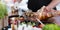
9	3
34	5
21	5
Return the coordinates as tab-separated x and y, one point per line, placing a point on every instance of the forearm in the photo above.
53	3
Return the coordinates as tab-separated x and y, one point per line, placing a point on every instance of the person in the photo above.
34	5
8	3
21	6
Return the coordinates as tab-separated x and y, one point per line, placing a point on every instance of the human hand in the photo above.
45	12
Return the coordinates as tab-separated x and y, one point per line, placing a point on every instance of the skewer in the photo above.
39	21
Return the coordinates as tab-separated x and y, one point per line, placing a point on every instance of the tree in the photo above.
3	10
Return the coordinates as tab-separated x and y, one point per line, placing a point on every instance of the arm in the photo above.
53	4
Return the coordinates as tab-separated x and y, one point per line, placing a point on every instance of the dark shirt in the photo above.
34	5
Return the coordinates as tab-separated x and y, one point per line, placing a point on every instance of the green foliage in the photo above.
51	27
3	10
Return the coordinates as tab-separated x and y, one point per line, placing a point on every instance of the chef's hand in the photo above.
47	9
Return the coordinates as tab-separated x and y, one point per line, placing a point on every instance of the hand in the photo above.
47	9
